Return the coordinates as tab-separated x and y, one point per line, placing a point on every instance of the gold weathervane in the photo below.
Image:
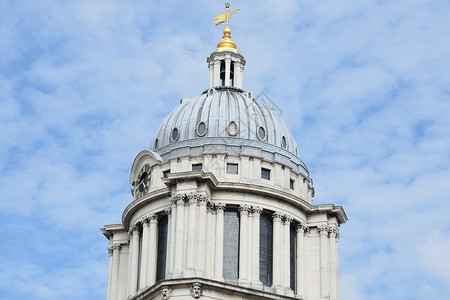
226	43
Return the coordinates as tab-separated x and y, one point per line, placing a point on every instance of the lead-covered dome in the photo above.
228	117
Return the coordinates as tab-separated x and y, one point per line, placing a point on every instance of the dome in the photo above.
226	116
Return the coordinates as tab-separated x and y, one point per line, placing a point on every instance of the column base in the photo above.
257	284
244	282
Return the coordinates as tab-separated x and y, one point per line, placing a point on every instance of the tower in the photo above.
222	204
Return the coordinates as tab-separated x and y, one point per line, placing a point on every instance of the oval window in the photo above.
283	142
261	133
156	143
201	129
175	134
232	128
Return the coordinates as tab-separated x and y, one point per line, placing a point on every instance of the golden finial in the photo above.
226	43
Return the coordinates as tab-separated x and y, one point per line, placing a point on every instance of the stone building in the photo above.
222	205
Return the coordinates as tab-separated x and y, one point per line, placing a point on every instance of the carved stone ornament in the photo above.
196	290
193	197
288	219
323	229
256	210
303	227
244	209
277	216
166	292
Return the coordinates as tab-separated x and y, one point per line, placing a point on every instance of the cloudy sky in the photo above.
363	85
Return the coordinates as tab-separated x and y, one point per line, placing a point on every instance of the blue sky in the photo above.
363	85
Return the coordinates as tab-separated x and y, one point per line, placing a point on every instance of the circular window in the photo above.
175	134
249	95
283	142
232	128
211	91
156	143
201	129
261	133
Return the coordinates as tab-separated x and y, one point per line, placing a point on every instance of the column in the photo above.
217	73
173	219
130	246
201	252
169	237
227	71
178	260
277	249
241	70
249	243
210	242
255	246
301	229
218	272
108	291
115	271
237	75
144	262
134	261
152	250
192	222
324	253
211	75
286	252
243	245
333	263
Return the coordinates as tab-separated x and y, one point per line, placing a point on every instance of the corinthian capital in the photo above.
220	206
256	210
116	247
288	218
277	216
323	229
302	227
244	209
193	197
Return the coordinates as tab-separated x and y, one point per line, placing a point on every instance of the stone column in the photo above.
249	243
324	253
237	75
227	71
276	263
255	246
173	219
218	272
217	73
211	75
210	242
201	252
178	260
108	291
130	254
134	261
286	252
243	244
301	229
153	250
192	222
115	271
333	263
169	237
241	70
144	262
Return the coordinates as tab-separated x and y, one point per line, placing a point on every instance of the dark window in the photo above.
197	167
162	248
283	142
265	249
291	184
165	173
156	143
265	173
232	168
175	134
231	245
292	254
